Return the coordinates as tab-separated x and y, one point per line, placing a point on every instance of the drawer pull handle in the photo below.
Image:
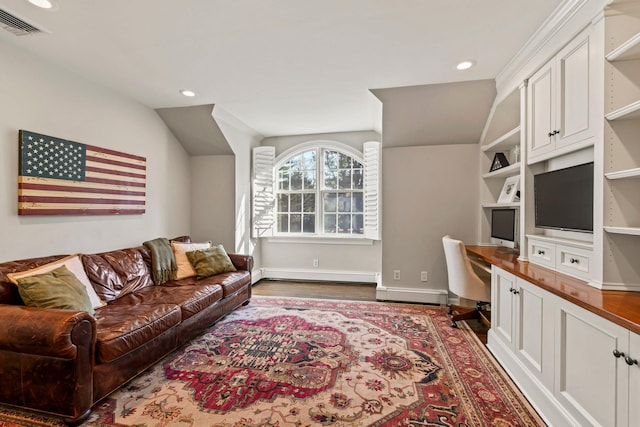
574	261
516	292
540	252
618	354
630	361
511	290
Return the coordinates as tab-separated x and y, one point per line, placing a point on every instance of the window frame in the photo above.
320	147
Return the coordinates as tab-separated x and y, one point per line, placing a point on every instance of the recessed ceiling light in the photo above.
187	92
45	4
465	65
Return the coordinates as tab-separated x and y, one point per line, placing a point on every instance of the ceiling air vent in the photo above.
15	25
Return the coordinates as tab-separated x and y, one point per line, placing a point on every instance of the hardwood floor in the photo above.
326	290
338	291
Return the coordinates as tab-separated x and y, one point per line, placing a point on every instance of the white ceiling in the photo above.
282	67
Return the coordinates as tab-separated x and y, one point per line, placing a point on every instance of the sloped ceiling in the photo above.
282	67
196	129
449	113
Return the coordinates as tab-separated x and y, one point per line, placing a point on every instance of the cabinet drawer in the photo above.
573	261
542	253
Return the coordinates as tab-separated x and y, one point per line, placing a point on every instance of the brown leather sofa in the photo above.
63	362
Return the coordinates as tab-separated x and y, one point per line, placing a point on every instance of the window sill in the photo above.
321	240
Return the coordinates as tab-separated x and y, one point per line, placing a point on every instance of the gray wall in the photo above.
427	192
213	200
39	97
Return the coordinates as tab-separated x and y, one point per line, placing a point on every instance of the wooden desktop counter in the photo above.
622	308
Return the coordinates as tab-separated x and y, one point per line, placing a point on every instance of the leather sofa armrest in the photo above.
242	262
46	332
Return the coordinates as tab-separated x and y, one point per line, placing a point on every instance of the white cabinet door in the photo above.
588	379
634	381
573	68
541	111
560	97
535	331
502	309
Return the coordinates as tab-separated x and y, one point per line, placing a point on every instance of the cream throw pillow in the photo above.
185	269
74	265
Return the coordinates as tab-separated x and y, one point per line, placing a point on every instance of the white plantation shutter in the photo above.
263	200
372	184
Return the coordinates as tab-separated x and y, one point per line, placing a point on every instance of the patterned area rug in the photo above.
302	362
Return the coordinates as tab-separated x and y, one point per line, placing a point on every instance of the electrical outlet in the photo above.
424	276
316	263
396	274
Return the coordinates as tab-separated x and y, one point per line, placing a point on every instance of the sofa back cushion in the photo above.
117	273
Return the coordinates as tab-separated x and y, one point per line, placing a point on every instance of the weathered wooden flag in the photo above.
60	177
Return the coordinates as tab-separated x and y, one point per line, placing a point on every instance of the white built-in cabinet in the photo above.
571	257
577	368
581	105
560	116
597	379
578	104
523	323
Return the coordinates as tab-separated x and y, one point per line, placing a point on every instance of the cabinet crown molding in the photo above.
542	45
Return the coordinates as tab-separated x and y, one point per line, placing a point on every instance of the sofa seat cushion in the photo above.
192	299
231	282
123	327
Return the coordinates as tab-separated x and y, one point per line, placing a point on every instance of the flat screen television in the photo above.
563	199
504	227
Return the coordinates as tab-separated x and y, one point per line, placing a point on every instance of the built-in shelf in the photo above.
501	205
628	112
504	172
505	142
628	50
632	231
625	174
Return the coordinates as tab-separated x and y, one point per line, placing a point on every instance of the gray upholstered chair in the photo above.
464	281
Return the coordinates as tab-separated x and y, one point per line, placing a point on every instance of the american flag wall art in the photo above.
60	177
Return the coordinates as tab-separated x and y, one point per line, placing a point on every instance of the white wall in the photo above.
427	192
336	261
241	139
39	97
352	139
213	200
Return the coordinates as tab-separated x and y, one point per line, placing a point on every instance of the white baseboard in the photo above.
320	275
256	275
429	296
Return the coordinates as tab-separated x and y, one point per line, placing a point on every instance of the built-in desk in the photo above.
622	308
572	349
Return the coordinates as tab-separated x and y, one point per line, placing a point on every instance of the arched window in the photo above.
317	189
320	191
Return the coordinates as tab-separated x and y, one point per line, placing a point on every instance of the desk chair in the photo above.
464	282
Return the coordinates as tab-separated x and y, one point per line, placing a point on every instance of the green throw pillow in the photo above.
59	288
207	262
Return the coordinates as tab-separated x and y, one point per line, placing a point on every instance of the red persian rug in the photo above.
302	362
